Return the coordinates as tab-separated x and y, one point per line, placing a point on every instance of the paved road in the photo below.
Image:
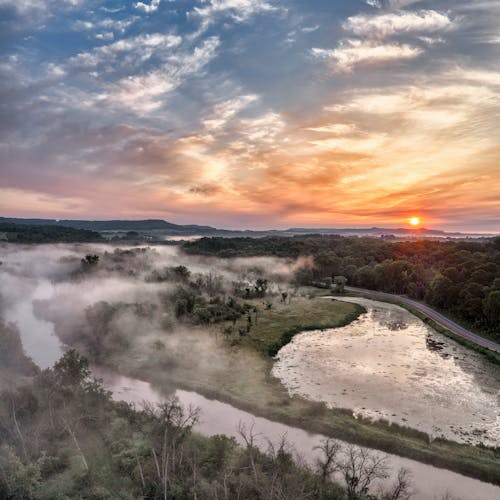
431	313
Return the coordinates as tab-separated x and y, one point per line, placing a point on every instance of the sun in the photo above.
414	221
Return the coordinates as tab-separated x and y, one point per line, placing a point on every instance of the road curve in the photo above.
432	314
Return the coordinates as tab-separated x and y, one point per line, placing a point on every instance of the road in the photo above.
432	314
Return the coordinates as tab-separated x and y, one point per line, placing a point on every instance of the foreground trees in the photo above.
63	437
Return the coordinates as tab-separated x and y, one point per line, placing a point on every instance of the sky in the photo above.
252	113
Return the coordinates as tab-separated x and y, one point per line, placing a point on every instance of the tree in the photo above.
182	273
90	260
340	282
491	307
327	464
261	287
72	368
18	480
303	276
184	302
402	487
360	468
173	424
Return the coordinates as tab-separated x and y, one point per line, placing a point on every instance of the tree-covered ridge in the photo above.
458	277
21	233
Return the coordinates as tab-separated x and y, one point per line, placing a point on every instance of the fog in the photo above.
125	302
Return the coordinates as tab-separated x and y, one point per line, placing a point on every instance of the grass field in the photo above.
275	327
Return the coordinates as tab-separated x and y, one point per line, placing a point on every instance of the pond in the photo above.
389	364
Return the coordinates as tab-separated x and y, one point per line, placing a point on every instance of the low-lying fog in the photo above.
121	302
389	364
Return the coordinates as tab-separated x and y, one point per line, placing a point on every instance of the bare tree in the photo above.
360	468
175	423
402	487
328	463
280	457
250	442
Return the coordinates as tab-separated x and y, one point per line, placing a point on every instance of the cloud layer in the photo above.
253	113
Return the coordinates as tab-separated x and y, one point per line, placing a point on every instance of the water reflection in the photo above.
410	375
37	335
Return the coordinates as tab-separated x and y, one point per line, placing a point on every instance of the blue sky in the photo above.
254	113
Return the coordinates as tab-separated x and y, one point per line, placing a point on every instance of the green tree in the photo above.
261	287
72	368
491	307
90	260
340	283
18	481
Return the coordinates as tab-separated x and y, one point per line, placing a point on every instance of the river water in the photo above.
389	364
42	345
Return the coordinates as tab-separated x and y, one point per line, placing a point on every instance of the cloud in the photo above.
25	5
310	29
112	25
386	25
238	10
149	123
373	31
398	4
350	53
82	25
148	8
335	128
127	51
224	111
263	128
142	94
485	77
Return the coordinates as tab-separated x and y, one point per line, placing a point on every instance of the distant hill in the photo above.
38	233
370	230
114	225
156	227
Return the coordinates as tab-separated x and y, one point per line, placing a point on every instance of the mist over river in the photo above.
389	364
386	357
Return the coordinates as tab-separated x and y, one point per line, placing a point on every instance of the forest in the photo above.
460	278
26	233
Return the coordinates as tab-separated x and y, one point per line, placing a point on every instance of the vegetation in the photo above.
13	363
273	327
21	233
457	277
63	437
205	332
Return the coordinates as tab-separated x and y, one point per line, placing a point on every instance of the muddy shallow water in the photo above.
389	364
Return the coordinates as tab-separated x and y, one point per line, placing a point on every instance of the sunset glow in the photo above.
414	221
252	113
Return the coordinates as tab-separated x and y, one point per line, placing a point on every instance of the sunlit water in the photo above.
389	364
